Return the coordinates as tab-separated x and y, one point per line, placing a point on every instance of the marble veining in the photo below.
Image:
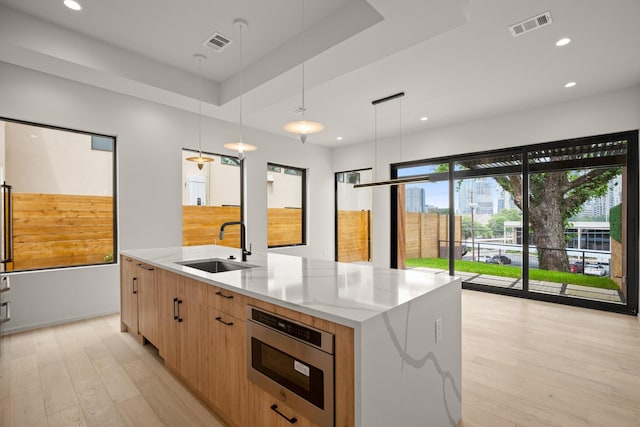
420	362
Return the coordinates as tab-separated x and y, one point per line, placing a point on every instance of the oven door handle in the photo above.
274	408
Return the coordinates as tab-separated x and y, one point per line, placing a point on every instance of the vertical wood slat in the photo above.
427	234
53	230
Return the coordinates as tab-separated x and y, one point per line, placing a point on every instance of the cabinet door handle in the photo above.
175	309
220	294
219	319
7	305
134	286
293	420
145	267
7	284
179	318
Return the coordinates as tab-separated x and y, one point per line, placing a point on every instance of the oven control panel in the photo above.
293	329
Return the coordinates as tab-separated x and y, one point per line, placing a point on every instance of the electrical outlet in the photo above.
438	329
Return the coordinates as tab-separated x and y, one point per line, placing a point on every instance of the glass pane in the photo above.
426	219
493	252
62	196
210	197
577	232
354	216
285	206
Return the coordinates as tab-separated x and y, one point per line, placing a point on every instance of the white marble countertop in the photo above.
348	294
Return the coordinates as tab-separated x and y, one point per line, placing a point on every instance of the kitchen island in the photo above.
403	327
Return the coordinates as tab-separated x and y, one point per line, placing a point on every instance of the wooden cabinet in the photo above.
228	375
147	302
228	384
182	320
128	295
168	317
200	332
139	299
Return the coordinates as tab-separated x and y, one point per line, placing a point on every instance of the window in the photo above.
577	200
210	197
286	201
59	197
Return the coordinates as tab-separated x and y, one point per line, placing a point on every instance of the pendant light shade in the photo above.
200	159
303	127
240	147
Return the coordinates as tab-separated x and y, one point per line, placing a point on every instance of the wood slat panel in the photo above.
353	235
425	231
53	230
201	225
284	226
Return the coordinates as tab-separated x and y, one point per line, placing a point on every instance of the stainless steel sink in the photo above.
215	265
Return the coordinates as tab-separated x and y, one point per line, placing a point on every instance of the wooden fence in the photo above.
284	226
201	225
426	234
354	234
53	230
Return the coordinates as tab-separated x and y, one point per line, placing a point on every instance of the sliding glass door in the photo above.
577	199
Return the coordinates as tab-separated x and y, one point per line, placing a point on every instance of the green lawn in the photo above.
515	272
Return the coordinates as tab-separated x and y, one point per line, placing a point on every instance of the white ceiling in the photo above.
454	59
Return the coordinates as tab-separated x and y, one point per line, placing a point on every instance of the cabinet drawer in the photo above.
226	301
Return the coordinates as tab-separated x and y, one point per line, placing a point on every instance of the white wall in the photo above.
607	113
150	138
51	161
283	190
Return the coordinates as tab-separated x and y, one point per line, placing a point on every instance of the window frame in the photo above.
271	166
114	190
633	212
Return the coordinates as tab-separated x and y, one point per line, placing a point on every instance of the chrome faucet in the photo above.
243	243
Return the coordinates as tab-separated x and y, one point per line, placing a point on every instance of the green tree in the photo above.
496	222
554	197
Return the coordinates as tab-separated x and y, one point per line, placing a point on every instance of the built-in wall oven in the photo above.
294	363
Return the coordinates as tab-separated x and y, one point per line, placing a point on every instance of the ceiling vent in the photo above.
217	42
297	110
530	24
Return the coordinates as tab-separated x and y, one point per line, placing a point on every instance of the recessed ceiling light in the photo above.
72	4
424	118
570	84
339	138
563	41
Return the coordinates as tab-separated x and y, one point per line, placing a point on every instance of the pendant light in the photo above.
200	160
303	127
239	146
395	181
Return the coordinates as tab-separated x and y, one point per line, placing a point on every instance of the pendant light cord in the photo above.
241	80
200	109
303	42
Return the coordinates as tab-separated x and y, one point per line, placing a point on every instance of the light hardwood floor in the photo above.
525	363
529	363
89	373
